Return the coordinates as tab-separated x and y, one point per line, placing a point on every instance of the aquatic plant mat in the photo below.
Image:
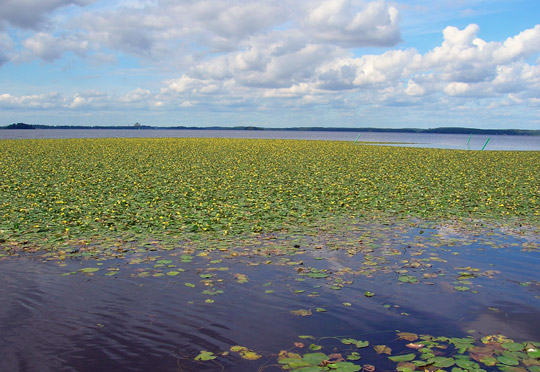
246	255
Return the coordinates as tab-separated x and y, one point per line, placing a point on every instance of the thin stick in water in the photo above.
485	144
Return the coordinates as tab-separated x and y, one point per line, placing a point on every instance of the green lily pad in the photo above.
408	279
512	346
314	358
205	356
344	367
402	358
508	361
489	361
89	270
467	364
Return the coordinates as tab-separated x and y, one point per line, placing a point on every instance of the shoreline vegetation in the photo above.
442	130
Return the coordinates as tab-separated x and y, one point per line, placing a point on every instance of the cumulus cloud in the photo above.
368	70
263	54
341	22
175	31
463	57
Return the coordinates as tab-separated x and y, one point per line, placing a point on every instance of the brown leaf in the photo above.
407	336
382	349
531	362
402	365
368	368
299	344
301	312
337	356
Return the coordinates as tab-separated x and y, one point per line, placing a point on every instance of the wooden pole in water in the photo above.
485	144
357	138
469	147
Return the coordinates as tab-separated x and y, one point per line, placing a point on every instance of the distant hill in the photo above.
444	130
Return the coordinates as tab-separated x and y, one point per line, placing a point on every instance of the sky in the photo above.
271	63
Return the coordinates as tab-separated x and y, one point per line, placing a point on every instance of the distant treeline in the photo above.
445	130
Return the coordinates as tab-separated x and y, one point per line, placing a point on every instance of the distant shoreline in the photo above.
442	130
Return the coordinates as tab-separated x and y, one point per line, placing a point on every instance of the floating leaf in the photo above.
489	361
89	270
205	356
314	358
407	336
508	360
408	279
245	353
241	278
467	364
301	312
344	367
401	358
512	346
382	349
442	362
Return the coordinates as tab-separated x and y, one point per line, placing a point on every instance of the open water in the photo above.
447	141
130	315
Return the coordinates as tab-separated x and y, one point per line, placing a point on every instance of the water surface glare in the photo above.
134	315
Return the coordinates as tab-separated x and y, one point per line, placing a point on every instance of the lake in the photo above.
356	289
447	141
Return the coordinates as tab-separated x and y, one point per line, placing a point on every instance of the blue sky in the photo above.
332	63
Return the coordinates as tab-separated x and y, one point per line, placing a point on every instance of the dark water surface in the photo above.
134	315
431	140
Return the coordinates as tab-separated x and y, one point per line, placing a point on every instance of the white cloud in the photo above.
89	100
519	46
34	101
265	54
414	89
49	48
368	70
180	32
341	22
136	95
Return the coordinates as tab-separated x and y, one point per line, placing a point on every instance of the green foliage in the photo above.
53	191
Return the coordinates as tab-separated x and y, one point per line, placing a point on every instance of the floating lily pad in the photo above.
205	356
402	358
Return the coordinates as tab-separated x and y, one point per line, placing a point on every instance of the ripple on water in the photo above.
82	322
